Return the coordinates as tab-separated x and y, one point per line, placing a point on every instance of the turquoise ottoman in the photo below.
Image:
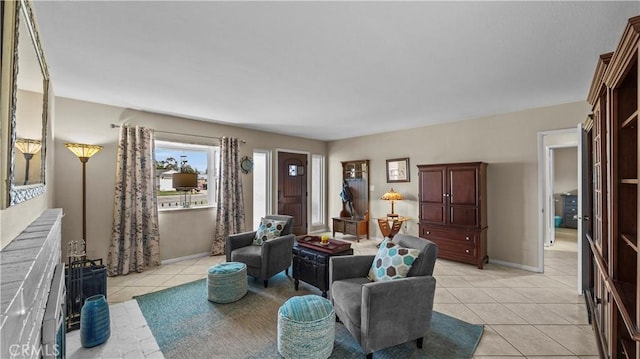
306	327
227	282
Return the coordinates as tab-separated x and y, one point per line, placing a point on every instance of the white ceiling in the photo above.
328	70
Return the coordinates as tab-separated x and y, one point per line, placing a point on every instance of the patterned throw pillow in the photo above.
268	229
392	262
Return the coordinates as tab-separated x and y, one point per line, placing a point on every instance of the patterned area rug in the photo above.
186	325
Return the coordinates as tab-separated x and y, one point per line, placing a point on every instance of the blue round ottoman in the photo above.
306	327
227	282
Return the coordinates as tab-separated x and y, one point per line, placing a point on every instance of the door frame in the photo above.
544	152
276	162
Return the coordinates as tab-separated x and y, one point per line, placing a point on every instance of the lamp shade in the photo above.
28	146
185	180
392	195
82	150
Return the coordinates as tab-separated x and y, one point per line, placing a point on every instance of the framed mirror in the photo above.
27	103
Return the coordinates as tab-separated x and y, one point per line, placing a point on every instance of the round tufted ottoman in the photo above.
306	327
227	282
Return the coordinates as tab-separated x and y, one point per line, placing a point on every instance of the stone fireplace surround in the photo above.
27	267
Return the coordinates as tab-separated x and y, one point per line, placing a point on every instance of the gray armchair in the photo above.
267	260
383	314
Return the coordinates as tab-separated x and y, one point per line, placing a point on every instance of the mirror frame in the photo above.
11	20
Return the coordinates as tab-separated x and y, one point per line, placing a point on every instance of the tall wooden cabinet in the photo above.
612	231
453	210
354	219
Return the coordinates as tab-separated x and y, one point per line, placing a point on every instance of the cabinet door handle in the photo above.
428	232
466	251
467	238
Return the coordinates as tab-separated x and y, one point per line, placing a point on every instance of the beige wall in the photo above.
508	142
182	232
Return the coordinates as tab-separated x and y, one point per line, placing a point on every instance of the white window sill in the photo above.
174	209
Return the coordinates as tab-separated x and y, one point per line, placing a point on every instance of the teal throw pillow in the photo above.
392	262
268	229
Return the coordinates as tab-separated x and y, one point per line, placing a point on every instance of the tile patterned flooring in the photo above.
525	314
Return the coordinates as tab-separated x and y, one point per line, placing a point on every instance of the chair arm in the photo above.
407	302
343	267
278	245
238	240
277	255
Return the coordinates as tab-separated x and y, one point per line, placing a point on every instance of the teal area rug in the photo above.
186	325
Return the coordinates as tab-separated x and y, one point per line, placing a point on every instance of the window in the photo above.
261	185
201	159
317	190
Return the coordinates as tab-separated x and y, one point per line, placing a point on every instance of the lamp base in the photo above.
185	198
393	215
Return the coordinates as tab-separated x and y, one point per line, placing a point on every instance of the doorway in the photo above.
563	178
292	189
559	196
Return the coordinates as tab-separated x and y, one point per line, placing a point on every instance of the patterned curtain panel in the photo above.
230	210
135	242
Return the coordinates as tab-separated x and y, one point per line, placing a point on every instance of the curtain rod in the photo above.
113	125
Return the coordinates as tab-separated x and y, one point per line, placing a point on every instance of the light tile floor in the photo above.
525	314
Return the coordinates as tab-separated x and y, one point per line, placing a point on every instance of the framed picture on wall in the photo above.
398	170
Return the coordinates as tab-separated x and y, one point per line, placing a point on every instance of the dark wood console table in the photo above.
312	266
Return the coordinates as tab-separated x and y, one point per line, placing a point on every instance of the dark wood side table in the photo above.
312	266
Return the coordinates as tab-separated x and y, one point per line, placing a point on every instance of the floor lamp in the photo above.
28	148
84	152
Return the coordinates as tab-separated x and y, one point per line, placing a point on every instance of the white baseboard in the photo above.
193	256
515	265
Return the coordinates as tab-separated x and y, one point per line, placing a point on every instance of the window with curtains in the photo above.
174	157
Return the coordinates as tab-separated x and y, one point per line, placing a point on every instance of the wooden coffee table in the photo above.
311	261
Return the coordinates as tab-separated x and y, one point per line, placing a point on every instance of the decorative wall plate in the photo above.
246	164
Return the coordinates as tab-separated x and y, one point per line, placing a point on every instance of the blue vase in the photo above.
95	324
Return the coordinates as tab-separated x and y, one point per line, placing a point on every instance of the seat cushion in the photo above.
306	308
347	295
224	269
250	255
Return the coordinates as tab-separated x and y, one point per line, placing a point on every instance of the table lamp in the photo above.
184	182
392	196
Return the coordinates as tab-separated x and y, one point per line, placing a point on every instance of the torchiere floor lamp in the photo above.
84	152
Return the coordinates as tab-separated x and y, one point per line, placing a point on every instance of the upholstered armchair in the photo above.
384	313
266	260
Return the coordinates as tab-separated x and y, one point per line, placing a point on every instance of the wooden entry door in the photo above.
292	189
